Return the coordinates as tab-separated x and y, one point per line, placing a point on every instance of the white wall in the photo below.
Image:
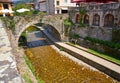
64	4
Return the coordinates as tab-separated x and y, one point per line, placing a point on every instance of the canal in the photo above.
54	67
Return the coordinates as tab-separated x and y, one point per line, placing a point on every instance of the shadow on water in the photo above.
37	43
36	39
38	34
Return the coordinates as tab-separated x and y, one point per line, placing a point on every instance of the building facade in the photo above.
46	6
53	6
42	6
5	4
62	6
102	15
50	7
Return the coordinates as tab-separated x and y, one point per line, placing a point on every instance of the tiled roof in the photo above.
6	1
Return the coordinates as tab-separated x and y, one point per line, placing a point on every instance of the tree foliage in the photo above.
19	6
82	12
68	22
68	25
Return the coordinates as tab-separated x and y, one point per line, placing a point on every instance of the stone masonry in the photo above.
8	68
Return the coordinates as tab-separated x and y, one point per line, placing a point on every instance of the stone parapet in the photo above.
8	68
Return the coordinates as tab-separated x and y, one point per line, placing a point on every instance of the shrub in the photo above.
107	43
75	36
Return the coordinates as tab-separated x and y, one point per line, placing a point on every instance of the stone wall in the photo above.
95	32
102	30
8	66
101	10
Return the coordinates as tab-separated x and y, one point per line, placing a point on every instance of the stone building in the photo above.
102	15
102	21
36	4
5	4
46	6
53	6
42	6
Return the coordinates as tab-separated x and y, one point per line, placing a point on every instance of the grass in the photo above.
112	59
33	71
32	28
23	34
105	56
27	79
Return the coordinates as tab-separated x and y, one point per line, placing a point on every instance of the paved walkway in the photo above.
101	64
8	70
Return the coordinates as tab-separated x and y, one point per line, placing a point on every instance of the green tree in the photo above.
68	26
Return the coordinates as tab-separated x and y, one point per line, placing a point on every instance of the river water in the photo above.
53	67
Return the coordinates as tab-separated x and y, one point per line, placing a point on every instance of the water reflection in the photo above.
35	39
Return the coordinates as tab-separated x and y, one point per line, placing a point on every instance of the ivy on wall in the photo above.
115	35
82	12
9	22
68	26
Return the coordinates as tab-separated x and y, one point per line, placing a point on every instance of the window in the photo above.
96	20
58	3
77	18
57	11
86	19
5	6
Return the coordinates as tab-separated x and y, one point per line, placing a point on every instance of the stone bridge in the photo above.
55	21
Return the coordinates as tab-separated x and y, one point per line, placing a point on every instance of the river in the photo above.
53	67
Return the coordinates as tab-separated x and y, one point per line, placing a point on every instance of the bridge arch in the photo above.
55	21
49	28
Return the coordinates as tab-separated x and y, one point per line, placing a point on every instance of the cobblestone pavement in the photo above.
8	69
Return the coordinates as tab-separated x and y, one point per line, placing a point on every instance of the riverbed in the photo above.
54	67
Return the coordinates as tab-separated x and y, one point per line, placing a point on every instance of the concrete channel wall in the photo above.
100	67
92	63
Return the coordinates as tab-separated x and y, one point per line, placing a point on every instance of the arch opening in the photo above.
96	20
49	28
77	18
109	20
52	31
86	19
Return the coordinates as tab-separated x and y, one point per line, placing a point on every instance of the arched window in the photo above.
109	20
77	18
86	19
96	20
